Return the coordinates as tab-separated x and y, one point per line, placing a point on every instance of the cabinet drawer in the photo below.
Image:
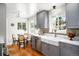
69	46
68	49
68	52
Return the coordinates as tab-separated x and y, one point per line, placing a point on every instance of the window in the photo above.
24	26
21	26
57	20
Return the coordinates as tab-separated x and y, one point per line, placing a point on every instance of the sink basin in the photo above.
51	40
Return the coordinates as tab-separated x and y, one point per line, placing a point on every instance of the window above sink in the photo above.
57	20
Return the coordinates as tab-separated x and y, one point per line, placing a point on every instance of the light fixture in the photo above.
54	7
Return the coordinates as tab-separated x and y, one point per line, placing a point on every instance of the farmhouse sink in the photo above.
51	40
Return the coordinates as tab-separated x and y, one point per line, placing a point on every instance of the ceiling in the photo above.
28	9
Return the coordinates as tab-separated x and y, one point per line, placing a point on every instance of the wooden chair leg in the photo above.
19	45
24	44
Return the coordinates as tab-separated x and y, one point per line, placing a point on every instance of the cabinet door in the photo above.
33	42
38	44
68	49
72	15
45	48
53	50
42	19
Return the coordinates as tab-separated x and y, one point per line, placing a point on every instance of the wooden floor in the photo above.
28	51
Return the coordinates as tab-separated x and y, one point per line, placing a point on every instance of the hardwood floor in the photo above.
28	51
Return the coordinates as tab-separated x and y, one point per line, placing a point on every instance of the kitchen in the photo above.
54	28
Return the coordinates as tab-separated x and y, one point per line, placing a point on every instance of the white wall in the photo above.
11	17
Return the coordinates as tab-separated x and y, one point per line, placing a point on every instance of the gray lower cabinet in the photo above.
68	49
53	50
36	43
33	42
49	50
45	48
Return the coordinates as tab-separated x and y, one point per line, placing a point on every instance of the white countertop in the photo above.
55	40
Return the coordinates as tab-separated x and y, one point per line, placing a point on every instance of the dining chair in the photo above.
14	39
26	38
21	41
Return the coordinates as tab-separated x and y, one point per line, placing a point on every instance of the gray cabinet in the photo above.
72	15
53	50
43	19
45	48
50	50
68	49
36	43
33	42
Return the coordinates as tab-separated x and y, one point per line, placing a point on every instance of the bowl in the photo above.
71	35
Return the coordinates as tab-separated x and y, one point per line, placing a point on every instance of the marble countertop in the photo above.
48	38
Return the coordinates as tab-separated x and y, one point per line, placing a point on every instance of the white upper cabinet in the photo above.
72	15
